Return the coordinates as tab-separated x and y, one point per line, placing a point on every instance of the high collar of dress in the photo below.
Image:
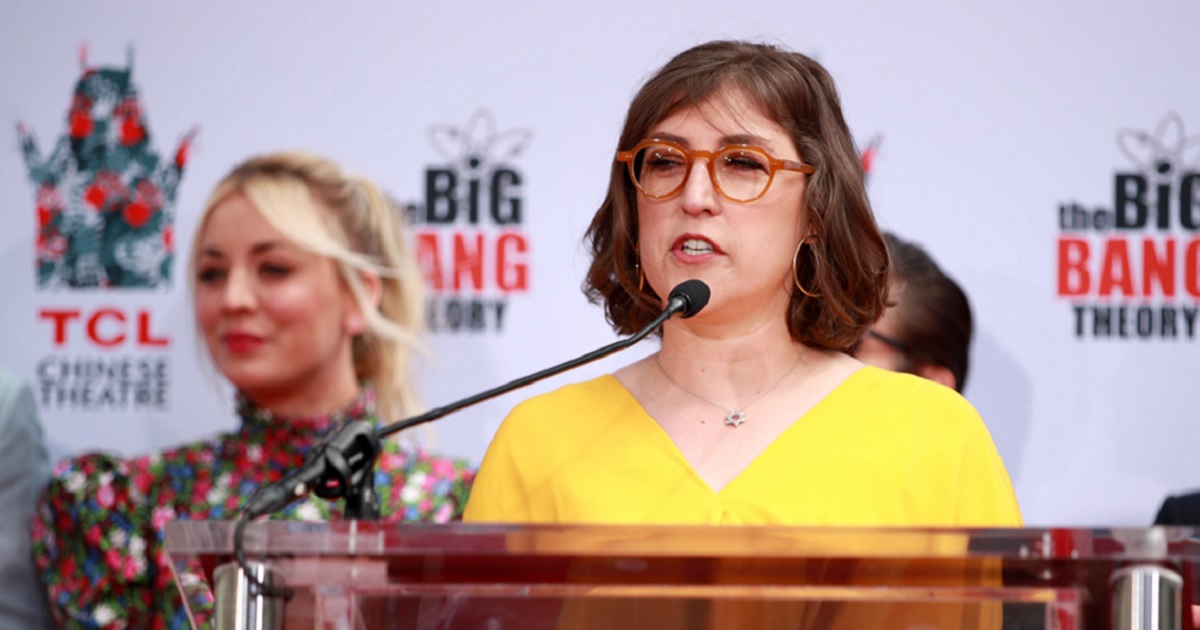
255	418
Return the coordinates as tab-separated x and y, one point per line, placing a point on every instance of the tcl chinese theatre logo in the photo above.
104	201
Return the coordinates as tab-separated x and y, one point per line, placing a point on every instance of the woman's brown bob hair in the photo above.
843	267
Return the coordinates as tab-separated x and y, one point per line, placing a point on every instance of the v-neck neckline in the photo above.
653	427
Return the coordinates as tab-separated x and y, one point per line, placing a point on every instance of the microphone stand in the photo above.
434	414
343	464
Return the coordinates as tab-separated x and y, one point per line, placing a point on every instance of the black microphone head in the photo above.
689	297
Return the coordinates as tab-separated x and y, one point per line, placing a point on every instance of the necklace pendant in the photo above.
735	418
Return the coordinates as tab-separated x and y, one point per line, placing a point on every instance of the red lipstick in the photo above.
241	343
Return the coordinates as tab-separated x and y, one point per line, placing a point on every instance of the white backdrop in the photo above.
990	117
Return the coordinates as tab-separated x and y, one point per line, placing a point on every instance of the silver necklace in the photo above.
736	416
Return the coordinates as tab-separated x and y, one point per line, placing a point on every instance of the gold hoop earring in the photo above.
637	266
795	268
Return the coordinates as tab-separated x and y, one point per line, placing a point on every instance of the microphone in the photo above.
346	459
688	297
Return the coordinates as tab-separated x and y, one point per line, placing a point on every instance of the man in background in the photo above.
927	330
1180	509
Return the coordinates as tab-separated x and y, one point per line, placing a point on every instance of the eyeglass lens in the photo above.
890	341
739	174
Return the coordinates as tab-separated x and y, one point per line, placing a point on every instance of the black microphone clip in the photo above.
341	465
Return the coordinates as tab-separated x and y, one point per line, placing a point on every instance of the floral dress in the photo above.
98	529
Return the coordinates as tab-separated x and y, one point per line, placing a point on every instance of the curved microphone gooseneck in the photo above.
687	298
342	465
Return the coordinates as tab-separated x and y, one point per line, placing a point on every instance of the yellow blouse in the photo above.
881	449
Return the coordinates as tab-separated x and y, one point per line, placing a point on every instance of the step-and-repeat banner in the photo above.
1047	154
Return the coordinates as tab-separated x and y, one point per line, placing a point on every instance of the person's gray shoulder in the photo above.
10	388
16	398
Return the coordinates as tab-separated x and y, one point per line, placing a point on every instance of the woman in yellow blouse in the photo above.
736	167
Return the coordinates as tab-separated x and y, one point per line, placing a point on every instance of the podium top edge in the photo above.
716	541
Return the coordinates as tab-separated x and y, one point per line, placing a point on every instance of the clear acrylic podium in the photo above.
368	575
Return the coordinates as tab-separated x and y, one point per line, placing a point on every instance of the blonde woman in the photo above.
308	299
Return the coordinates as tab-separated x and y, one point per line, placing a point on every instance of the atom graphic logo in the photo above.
1164	154
477	148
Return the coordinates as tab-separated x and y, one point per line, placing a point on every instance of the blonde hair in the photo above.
316	205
